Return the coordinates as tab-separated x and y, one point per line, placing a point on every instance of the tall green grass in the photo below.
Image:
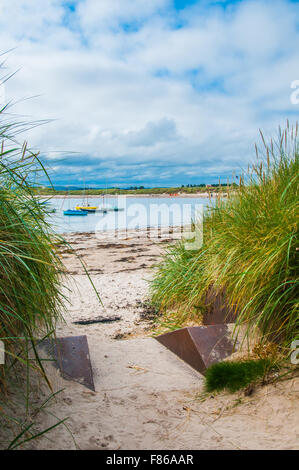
250	249
30	270
30	267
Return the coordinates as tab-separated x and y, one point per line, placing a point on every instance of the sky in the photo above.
139	92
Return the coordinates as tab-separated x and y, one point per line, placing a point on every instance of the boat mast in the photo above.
83	202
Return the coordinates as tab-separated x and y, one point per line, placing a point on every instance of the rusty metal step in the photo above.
199	346
71	356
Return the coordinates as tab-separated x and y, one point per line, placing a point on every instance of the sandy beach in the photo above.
146	398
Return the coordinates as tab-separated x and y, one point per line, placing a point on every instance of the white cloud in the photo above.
95	15
127	88
153	133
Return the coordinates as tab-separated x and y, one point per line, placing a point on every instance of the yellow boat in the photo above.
86	208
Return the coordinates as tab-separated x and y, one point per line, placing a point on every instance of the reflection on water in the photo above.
138	213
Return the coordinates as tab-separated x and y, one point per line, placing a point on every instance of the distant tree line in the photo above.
202	185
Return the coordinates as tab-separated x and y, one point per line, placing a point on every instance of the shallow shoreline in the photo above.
157	234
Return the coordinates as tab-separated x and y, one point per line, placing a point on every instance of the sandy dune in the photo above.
146	398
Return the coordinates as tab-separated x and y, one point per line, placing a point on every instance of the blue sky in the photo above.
181	4
151	93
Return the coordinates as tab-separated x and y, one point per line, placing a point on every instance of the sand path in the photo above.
146	398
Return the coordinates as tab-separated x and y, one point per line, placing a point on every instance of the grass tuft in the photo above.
233	376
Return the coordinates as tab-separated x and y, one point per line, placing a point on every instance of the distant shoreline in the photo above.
114	196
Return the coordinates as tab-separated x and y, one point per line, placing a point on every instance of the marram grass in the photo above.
250	249
30	290
30	278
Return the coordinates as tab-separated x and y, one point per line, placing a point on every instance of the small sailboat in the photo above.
86	207
108	208
74	212
103	208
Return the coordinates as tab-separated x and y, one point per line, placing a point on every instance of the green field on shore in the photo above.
139	191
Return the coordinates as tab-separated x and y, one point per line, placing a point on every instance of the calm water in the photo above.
138	213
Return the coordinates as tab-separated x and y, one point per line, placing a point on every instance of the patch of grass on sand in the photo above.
234	376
